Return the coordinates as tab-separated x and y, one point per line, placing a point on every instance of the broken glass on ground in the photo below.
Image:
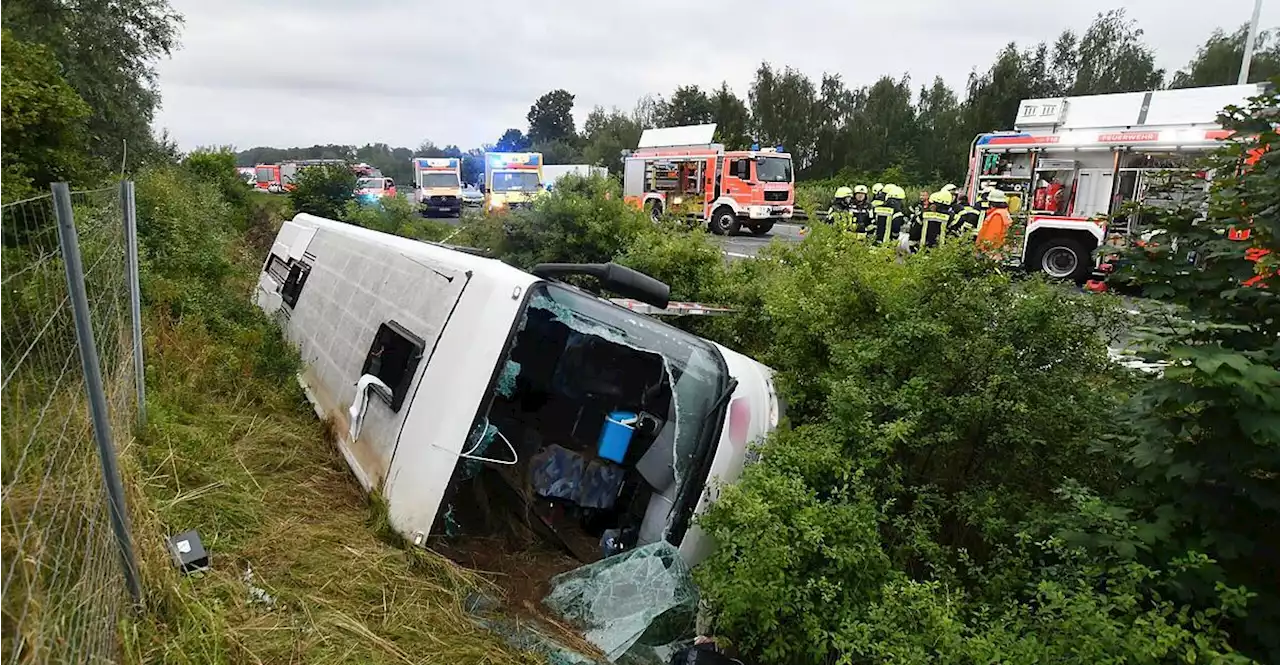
644	597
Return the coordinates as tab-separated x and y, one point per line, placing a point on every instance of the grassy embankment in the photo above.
303	568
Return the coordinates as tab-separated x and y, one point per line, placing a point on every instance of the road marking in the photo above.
740	256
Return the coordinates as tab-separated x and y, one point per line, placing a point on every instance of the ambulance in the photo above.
439	184
476	397
1071	163
678	170
511	179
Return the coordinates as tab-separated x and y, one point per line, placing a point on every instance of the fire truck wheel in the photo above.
762	228
655	210
724	222
1062	258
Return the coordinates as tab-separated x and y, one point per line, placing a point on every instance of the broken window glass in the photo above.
643	598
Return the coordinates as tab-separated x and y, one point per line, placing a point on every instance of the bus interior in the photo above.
597	422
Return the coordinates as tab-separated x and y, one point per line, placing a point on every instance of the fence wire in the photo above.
63	586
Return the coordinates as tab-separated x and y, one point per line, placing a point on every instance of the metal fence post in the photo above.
129	206
70	244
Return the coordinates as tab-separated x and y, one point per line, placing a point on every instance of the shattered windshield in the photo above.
695	370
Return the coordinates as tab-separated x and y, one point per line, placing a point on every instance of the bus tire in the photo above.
1062	258
724	222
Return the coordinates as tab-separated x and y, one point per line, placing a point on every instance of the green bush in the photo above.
323	190
583	220
1201	446
682	257
940	412
217	167
394	214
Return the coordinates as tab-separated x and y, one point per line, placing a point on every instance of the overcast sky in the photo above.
301	72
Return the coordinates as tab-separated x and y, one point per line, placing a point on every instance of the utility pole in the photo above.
1249	42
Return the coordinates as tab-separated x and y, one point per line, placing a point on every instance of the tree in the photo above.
733	120
551	117
688	105
1202	446
512	141
783	105
558	152
1113	58
884	127
107	49
605	135
45	135
1217	61
323	190
940	144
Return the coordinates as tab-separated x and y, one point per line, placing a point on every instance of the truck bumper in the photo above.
769	212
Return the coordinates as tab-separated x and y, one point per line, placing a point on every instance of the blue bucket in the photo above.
615	436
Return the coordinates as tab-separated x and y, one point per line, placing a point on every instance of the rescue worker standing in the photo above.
994	232
840	213
877	194
888	216
861	209
934	220
966	218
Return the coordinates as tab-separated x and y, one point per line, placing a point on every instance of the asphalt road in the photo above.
745	245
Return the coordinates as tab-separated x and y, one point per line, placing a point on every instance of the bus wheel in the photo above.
1063	258
724	222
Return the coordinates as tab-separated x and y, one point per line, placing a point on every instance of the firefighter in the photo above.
965	219
839	214
951	189
918	208
934	221
862	211
877	194
994	232
889	217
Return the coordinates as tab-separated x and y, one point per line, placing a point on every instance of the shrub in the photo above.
684	258
217	167
584	220
395	215
1202	446
323	190
938	409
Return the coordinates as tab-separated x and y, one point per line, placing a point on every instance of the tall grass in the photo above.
299	573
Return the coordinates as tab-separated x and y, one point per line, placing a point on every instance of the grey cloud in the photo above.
321	71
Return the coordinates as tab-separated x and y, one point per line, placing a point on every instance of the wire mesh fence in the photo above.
64	584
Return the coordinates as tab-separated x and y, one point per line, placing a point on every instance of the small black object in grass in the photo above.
188	552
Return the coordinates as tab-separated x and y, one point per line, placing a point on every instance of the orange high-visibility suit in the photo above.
995	230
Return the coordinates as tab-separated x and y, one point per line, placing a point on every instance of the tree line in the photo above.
892	127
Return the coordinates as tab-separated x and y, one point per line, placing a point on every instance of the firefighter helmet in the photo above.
860	189
844	193
892	191
997	196
943	196
877	188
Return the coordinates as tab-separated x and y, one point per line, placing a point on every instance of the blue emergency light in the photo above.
755	146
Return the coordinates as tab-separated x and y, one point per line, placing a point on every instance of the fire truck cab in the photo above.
1071	163
679	170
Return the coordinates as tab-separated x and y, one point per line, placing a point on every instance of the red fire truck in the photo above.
1071	163
679	170
279	177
